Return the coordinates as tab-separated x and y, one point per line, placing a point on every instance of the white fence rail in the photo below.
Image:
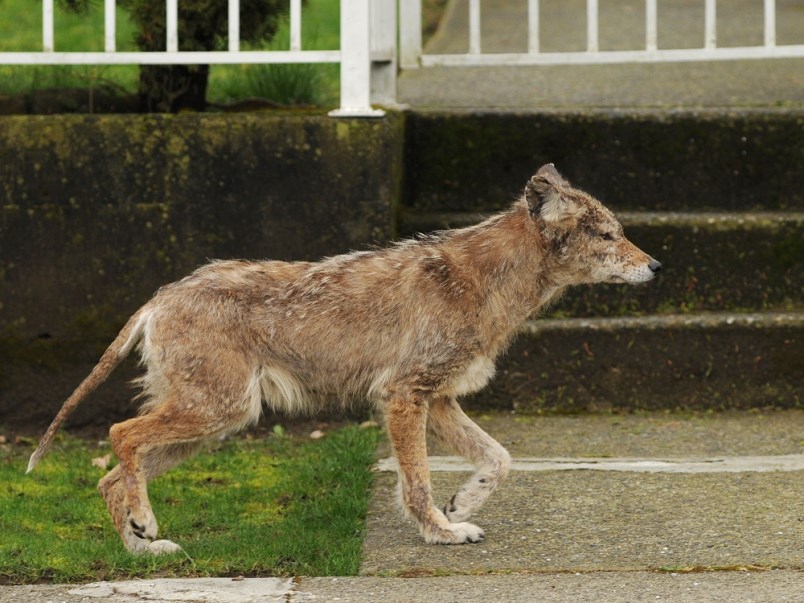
411	55
357	61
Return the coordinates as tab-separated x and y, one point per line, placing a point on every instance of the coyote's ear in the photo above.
543	193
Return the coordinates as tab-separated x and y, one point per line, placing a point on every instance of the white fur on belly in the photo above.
475	377
279	389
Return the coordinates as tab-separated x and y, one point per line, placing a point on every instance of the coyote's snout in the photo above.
409	328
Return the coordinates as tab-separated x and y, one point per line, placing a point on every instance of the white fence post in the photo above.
172	25
355	61
295	24
710	24
410	33
47	25
234	25
383	51
474	26
770	23
533	26
109	26
651	29
591	26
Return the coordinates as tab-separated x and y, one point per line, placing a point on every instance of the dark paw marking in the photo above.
139	531
470	540
483	480
450	506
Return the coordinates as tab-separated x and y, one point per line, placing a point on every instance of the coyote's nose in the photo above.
655	266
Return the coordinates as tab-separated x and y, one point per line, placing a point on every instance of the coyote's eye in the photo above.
606	236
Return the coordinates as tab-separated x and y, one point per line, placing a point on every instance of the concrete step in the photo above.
653	160
697	361
712	262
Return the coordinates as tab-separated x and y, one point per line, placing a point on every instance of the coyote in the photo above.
409	328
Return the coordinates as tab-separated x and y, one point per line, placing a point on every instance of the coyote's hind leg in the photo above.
154	462
147	444
451	425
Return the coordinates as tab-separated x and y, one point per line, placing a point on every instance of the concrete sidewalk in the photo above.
745	83
568	535
597	520
778	586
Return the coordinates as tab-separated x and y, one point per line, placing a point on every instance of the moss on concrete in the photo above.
667	161
101	211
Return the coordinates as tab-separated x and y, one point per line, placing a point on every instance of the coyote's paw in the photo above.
455	512
139	530
456	533
163	547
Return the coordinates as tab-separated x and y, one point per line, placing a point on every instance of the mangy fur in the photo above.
410	328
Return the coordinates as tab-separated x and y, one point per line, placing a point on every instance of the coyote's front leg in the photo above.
407	424
451	425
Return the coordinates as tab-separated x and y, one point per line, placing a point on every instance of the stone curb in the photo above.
767	586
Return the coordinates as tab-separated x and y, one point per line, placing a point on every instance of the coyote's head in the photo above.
582	236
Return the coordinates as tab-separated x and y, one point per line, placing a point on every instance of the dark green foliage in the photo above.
78	7
203	24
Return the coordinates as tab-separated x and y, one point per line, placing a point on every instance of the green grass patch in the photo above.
269	506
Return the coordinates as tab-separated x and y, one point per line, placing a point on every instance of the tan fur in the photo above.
408	328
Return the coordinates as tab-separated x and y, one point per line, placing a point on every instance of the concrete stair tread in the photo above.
721	327
669	160
697	320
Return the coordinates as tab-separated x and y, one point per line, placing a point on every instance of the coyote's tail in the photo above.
113	355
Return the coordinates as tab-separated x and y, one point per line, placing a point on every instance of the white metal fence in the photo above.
367	53
411	55
368	48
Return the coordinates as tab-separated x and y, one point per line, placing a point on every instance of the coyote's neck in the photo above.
507	258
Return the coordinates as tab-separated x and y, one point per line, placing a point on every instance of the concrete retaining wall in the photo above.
97	212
